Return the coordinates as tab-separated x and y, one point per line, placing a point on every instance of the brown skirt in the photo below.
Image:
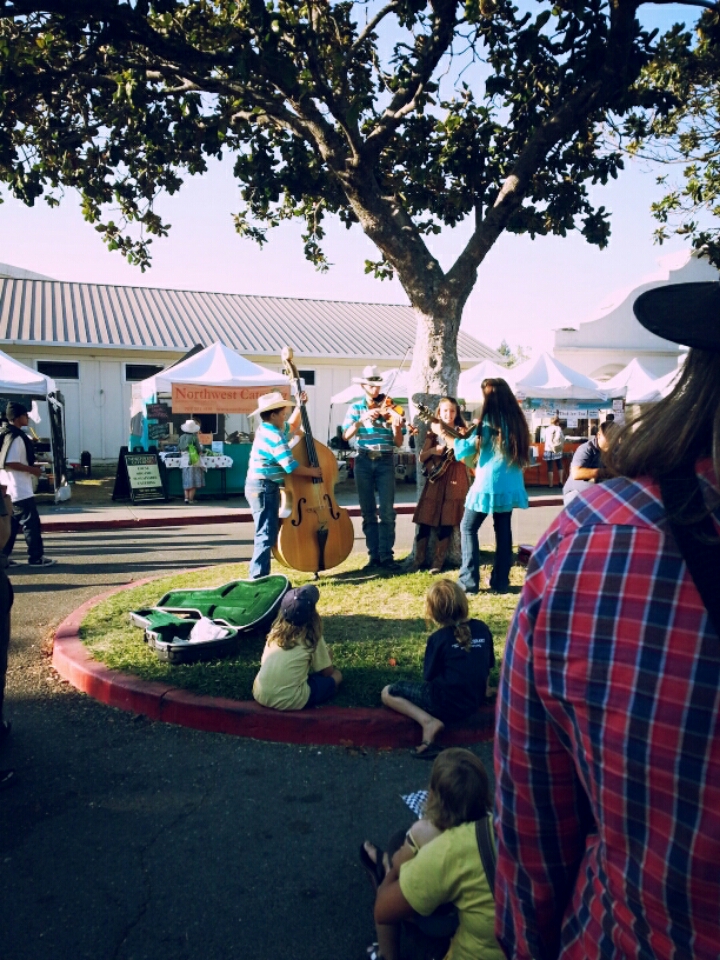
442	503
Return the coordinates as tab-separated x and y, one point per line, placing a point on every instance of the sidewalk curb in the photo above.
242	515
361	727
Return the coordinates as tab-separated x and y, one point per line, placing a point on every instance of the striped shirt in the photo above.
271	457
378	436
607	752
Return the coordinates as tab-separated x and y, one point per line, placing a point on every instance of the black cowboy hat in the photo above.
687	313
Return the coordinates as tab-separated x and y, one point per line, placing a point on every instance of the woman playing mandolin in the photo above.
442	500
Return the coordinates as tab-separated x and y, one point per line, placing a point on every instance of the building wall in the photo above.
98	402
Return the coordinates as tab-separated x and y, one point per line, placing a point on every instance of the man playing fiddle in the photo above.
378	430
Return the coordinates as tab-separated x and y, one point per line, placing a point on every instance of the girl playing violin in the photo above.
442	500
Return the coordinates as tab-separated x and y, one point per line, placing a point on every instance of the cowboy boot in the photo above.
441	548
417	558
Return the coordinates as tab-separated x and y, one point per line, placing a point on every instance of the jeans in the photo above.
378	518
264	499
470	570
25	516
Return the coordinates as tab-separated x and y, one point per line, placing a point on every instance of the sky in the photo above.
525	290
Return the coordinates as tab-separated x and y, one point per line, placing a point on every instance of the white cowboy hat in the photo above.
271	401
371	377
190	426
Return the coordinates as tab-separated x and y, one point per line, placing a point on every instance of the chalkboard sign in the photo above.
138	477
158	411
158	431
144	476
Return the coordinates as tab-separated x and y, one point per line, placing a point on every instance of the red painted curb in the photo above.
323	725
241	516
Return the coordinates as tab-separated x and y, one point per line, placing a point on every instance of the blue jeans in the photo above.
378	517
264	499
26	518
470	570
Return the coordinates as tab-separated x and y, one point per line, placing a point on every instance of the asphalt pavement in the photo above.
128	839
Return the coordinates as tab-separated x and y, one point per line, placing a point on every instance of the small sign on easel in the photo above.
138	477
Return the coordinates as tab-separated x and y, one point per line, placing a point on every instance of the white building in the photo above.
605	344
95	341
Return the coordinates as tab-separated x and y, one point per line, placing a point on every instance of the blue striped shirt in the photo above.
378	436
271	457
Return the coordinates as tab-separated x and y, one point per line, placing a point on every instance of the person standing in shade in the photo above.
607	747
270	459
17	468
501	447
377	434
193	475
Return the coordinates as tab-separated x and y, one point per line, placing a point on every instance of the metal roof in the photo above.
98	315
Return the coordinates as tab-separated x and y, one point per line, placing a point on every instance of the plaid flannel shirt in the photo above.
607	752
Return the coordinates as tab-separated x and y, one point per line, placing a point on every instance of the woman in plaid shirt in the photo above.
607	751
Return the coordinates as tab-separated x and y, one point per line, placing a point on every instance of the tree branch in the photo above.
374	22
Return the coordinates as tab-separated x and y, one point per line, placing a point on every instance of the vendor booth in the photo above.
219	388
640	385
547	388
18	382
471	381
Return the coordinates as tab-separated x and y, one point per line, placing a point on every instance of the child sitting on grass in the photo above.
458	659
296	669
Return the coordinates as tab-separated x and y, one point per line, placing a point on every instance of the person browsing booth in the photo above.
378	433
270	460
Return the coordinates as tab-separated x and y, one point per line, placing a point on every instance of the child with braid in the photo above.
458	659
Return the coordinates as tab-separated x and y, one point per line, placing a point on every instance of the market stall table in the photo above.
176	461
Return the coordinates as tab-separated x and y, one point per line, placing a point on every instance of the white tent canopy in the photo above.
216	366
16	378
665	385
641	385
545	378
470	382
399	384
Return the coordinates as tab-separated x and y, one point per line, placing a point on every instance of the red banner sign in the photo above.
198	398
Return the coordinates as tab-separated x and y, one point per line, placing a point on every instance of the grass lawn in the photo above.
374	624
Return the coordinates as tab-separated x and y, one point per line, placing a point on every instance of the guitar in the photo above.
436	471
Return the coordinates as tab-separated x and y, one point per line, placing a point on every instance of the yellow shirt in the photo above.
449	870
282	680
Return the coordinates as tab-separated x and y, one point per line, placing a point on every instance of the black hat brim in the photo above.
687	313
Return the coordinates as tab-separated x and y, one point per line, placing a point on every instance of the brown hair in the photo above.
458	421
555	421
502	413
286	635
459	789
447	606
676	431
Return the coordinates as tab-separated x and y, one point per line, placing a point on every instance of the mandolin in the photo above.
435	472
315	533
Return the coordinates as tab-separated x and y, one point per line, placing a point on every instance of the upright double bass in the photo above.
315	533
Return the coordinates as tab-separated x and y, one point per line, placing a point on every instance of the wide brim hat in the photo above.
371	377
686	313
271	401
190	426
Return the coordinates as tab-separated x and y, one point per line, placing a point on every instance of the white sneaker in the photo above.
42	562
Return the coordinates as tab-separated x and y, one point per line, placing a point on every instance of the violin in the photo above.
434	473
388	408
315	533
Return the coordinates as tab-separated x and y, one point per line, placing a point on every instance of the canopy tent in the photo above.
470	382
216	366
545	378
17	379
399	384
666	384
640	384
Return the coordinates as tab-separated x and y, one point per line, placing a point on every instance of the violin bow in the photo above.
396	374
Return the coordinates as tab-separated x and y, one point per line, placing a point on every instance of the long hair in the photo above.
503	414
459	790
458	421
286	635
676	431
446	605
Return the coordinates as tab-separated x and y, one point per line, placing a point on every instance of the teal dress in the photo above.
498	486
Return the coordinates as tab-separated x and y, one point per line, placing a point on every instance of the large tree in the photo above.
403	117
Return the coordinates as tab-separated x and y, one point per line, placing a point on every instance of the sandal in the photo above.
375	869
431	750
